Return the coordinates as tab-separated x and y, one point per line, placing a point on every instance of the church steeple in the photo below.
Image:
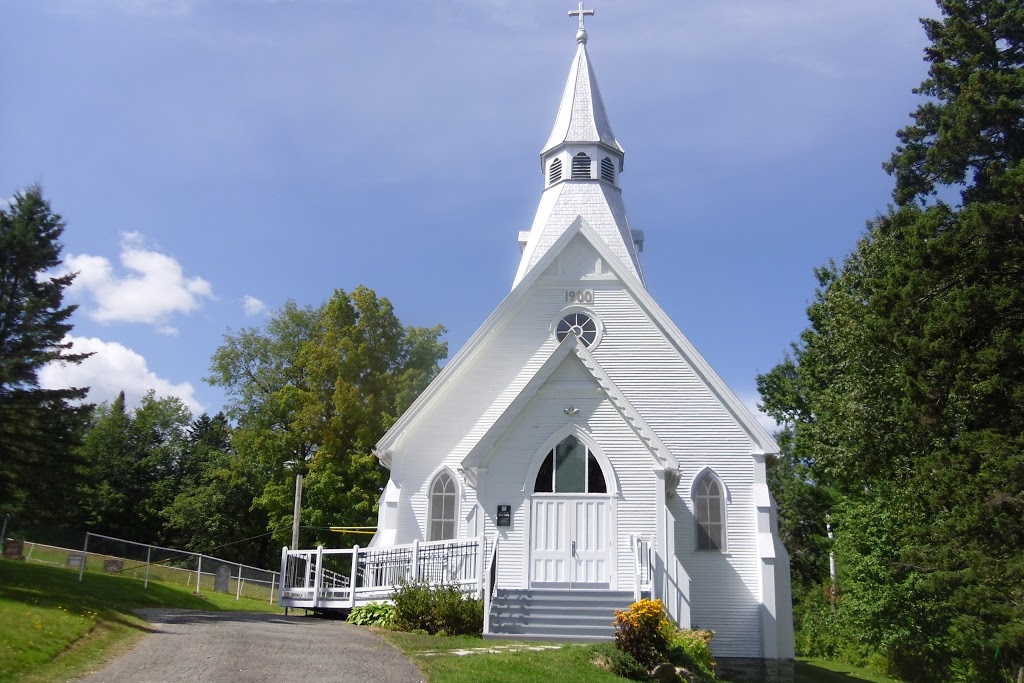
581	162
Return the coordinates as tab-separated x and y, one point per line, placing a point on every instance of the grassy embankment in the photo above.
55	627
568	664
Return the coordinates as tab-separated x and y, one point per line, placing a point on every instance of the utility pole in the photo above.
296	511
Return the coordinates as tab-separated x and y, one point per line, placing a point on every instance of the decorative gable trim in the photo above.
478	458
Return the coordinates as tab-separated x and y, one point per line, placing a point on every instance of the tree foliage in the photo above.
312	391
38	427
906	391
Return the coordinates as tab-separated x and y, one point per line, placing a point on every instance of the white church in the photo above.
578	453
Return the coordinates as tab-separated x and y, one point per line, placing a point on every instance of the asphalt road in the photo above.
236	647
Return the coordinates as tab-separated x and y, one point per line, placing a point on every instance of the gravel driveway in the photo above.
236	647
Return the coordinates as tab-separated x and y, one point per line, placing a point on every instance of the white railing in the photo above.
643	564
490	580
343	578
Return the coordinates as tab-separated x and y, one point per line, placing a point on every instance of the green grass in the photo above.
568	664
56	627
823	671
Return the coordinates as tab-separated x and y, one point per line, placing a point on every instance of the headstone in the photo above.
222	580
14	549
76	561
113	566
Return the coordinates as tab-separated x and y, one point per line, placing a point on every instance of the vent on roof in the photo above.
555	171
607	170
581	167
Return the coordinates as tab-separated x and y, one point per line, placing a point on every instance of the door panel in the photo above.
569	541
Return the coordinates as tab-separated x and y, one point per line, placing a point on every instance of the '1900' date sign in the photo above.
504	515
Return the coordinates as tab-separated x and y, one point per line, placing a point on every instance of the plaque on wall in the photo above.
504	515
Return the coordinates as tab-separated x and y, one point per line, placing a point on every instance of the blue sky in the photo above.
215	158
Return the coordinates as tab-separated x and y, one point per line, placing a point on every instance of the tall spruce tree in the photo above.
908	386
38	427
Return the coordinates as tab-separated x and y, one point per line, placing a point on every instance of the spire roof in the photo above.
581	114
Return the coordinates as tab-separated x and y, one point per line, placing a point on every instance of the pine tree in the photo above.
38	427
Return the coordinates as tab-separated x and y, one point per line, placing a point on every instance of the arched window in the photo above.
607	170
581	167
443	503
570	467
709	511
555	171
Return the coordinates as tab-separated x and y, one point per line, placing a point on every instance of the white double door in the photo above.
570	544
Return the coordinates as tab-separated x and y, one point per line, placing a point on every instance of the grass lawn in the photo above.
568	664
55	627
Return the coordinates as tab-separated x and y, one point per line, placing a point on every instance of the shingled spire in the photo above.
581	162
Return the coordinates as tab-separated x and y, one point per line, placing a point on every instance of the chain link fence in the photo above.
145	562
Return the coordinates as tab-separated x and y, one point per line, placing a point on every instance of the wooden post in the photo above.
297	511
318	577
272	577
480	564
149	550
415	569
354	578
199	572
238	585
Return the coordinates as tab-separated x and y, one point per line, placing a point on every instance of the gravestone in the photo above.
76	561
14	549
222	581
113	566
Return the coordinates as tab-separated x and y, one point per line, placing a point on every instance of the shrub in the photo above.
418	606
644	632
374	614
691	649
622	664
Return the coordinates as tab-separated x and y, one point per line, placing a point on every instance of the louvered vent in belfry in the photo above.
581	166
555	171
607	170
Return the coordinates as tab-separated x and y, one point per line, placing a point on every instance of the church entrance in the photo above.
569	520
569	542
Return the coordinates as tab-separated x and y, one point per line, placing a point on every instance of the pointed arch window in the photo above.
581	167
570	467
607	170
555	171
709	512
444	500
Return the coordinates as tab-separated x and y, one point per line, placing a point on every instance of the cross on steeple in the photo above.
581	13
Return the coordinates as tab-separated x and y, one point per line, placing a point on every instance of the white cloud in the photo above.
113	368
751	401
253	306
154	288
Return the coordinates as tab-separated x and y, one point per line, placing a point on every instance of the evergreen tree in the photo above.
908	385
38	427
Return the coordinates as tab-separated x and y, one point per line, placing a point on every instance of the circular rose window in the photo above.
580	324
